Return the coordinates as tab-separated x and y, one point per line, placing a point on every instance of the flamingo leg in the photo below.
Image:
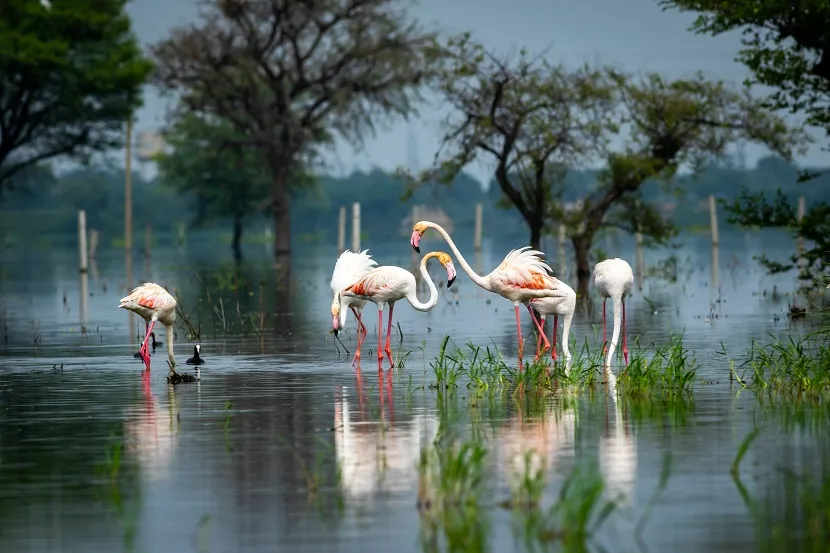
539	337
624	348
604	335
388	350
143	350
553	349
146	330
360	337
380	339
540	330
521	341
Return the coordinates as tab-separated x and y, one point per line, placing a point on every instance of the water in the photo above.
226	464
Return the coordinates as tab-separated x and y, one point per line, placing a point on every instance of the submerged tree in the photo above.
286	73
69	78
530	118
786	46
536	120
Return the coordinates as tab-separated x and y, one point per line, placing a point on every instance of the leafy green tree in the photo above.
69	77
287	73
224	178
536	120
786	46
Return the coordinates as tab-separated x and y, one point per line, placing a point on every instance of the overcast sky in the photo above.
635	34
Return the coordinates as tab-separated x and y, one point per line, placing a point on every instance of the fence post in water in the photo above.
356	227
128	189
802	208
341	230
640	260
478	227
713	220
563	260
148	239
82	249
94	238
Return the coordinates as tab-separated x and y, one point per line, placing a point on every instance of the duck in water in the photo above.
195	360
155	344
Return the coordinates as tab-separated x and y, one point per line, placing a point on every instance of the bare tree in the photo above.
285	73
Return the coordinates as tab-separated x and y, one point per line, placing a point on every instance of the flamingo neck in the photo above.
412	297
475	277
615	335
170	355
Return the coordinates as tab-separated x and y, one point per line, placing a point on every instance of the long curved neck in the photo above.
412	297
475	277
615	335
170	345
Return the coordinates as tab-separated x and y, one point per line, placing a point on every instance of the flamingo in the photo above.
564	306
153	303
388	284
521	277
349	268
613	278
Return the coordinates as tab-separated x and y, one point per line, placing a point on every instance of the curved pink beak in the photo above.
415	241
335	324
450	274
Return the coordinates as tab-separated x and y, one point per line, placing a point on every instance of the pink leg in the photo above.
539	337
380	338
521	341
540	330
604	335
625	349
360	337
145	355
553	349
388	350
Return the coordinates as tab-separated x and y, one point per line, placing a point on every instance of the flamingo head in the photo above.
335	314
417	232
446	261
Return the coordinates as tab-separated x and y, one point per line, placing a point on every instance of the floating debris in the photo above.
178	378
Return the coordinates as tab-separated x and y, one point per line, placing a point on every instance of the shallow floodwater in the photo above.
94	459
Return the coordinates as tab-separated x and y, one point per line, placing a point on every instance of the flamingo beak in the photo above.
415	241
450	274
335	324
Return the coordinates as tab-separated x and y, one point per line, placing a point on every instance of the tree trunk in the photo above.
282	216
236	242
535	235
582	245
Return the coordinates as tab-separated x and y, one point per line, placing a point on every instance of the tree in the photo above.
668	125
786	46
286	73
537	120
226	179
530	118
69	78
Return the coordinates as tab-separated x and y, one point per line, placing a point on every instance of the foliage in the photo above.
286	73
69	77
786	47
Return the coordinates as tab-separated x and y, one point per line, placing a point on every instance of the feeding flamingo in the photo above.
388	284
349	268
521	277
153	303
613	278
563	306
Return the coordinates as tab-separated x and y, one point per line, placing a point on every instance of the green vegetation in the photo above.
70	76
787	48
534	120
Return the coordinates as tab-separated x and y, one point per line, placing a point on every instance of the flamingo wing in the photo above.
378	281
524	269
350	266
151	296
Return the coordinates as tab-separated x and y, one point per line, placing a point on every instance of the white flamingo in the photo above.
563	306
153	303
349	268
388	284
521	277
613	278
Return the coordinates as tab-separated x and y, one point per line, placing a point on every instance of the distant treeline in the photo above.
45	206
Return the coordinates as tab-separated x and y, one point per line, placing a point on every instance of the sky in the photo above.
636	35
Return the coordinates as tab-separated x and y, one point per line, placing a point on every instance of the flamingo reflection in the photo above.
151	433
618	453
377	455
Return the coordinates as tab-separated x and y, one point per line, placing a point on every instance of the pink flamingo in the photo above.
521	277
349	267
388	284
613	278
564	306
153	303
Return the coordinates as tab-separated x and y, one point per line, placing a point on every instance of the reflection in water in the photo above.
151	432
618	453
373	456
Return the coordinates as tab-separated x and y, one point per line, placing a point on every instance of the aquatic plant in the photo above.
668	371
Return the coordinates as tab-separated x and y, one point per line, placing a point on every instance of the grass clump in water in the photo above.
669	372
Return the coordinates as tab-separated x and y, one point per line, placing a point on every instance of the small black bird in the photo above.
195	360
154	344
